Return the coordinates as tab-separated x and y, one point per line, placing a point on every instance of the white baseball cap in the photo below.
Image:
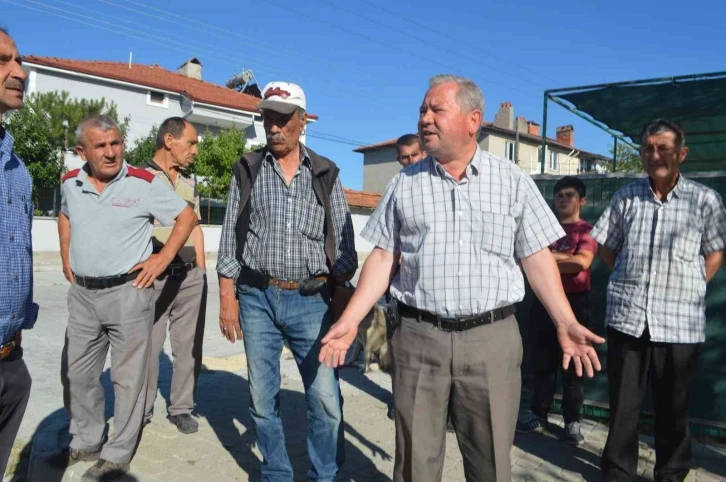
283	97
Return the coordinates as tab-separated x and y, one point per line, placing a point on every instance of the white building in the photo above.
148	94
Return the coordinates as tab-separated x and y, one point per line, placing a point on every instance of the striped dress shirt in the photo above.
659	279
460	240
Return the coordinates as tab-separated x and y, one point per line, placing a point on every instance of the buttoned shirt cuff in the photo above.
228	267
31	316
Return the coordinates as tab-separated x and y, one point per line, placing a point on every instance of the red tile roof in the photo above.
156	77
361	199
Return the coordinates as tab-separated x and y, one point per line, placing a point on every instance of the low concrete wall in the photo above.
45	236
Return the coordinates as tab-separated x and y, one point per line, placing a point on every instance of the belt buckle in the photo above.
7	349
438	325
176	270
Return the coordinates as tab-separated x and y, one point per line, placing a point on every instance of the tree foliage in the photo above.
213	165
143	149
45	129
627	159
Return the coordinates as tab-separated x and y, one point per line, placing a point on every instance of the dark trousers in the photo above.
14	392
548	360
670	366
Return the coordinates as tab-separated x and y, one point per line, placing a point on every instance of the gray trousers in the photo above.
475	376
181	300
120	317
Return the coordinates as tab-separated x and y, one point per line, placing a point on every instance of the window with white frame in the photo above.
509	150
158	99
553	161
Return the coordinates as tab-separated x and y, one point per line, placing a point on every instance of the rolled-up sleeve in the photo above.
346	258
714	222
383	227
538	227
163	203
609	228
227	263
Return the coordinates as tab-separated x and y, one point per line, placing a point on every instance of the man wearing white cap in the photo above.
287	243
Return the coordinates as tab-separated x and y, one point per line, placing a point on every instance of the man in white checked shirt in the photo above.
462	219
663	237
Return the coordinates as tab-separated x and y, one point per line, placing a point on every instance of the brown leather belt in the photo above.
6	350
285	284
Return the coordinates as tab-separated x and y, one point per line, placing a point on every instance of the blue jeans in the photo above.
267	318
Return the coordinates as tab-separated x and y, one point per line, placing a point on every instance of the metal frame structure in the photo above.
617	136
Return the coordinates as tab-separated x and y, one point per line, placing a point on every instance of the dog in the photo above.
372	337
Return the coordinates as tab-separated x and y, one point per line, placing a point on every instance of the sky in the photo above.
364	64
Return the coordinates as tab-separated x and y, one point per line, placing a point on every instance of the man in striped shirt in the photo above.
463	221
663	238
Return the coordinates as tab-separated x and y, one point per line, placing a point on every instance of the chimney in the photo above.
192	68
533	128
521	124
566	135
505	116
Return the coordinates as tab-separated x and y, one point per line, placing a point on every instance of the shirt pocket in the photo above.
493	233
687	241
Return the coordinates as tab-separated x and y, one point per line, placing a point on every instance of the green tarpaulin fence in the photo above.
709	389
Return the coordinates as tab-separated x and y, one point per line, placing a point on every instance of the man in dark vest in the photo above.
287	243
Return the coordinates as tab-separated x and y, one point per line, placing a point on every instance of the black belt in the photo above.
179	269
105	282
456	324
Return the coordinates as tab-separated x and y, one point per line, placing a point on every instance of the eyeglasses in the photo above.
662	150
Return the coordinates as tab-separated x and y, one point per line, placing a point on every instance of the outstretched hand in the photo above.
336	342
576	342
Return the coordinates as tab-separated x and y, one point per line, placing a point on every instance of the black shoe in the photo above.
184	422
104	470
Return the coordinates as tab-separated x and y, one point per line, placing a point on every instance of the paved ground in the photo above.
224	447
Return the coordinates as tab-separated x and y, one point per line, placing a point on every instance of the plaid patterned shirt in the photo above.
17	310
659	279
460	240
286	239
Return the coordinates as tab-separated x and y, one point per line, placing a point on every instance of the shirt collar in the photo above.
677	190
473	168
304	156
85	170
152	164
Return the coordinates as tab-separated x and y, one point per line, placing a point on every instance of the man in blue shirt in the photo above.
17	310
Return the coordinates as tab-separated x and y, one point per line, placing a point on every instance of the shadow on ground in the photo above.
223	399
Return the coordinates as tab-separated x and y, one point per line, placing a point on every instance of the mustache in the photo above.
14	84
276	138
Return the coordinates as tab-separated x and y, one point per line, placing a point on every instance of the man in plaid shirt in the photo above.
663	238
463	221
287	242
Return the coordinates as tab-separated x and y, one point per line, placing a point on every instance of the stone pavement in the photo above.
224	448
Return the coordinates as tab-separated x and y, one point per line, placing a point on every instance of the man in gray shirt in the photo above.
105	227
663	238
463	221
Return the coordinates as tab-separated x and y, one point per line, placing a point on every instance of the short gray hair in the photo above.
469	97
101	122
